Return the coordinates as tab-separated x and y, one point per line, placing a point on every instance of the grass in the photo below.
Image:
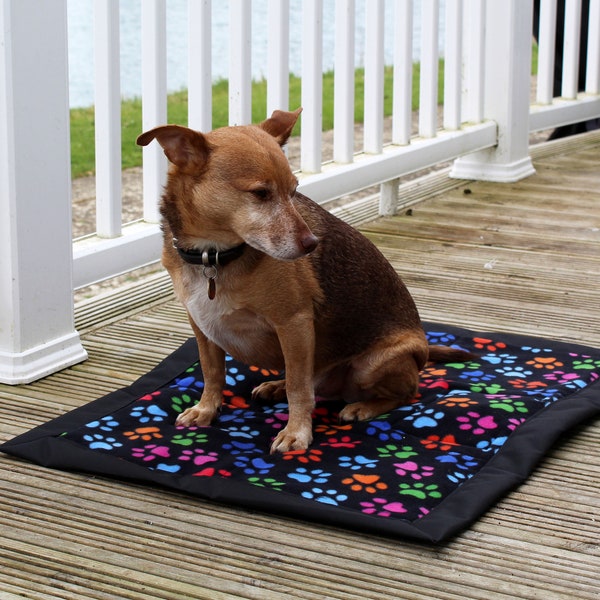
82	119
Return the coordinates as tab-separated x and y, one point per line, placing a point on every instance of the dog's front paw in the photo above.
270	390
358	411
292	439
195	416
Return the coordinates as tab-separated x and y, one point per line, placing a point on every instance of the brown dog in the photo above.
274	280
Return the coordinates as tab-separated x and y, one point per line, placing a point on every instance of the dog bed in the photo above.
423	471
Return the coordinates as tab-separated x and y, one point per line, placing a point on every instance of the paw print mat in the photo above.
423	471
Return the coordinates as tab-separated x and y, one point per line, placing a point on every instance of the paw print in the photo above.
545	362
237	447
97	441
440	337
400	452
535	350
429	417
459	476
420	490
267	482
305	476
180	404
368	483
475	423
253	466
241	432
148	414
233	375
304	456
183	384
341	442
355	463
586	364
464	462
500	359
476	375
487	344
436	442
198	456
237	416
454	401
569	380
413	470
381	507
514	423
509	405
492	445
189	438
511	371
264	372
232	401
491	388
144	433
332	497
150	452
383	431
104	424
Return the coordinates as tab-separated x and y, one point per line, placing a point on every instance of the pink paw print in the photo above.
412	468
150	452
475	423
382	507
198	456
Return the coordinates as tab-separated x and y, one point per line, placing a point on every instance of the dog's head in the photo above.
233	185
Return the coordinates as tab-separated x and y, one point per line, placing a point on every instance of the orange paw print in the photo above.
144	433
265	372
541	362
484	343
369	483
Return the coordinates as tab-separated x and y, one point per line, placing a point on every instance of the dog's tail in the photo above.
445	354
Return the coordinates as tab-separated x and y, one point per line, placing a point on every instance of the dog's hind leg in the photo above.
212	360
270	391
385	377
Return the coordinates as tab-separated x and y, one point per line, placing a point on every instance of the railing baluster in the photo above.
240	62
373	116
154	100
108	118
278	51
343	131
474	54
453	64
403	69
592	77
570	75
200	65
428	92
312	85
546	45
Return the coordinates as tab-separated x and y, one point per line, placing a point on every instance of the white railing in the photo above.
485	123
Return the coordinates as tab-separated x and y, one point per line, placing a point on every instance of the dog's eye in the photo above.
261	193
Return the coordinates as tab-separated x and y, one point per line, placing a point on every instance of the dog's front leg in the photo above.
297	339
212	360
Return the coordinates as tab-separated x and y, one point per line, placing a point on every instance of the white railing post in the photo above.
37	334
199	65
507	87
240	62
278	53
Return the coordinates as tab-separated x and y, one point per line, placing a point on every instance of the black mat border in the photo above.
508	468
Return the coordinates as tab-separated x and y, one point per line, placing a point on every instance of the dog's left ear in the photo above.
280	124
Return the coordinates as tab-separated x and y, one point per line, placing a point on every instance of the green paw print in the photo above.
180	404
420	490
189	438
587	364
492	388
267	482
509	405
394	451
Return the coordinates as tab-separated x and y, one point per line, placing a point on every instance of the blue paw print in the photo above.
332	497
148	414
236	447
383	431
459	476
241	432
253	466
425	418
233	374
492	445
237	416
357	462
461	461
514	371
105	424
184	384
498	359
167	468
535	350
305	476
440	337
99	442
476	375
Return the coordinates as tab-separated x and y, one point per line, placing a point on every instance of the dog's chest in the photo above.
241	332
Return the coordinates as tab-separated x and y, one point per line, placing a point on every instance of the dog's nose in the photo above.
309	242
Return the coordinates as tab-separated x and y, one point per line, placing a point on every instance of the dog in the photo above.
273	279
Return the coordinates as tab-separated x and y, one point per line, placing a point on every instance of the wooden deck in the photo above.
523	257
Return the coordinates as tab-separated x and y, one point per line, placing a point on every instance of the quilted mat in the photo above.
424	471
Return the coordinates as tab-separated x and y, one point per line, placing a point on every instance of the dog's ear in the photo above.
187	149
280	124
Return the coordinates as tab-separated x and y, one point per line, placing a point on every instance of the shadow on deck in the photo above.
521	257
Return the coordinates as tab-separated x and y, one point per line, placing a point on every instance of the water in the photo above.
81	52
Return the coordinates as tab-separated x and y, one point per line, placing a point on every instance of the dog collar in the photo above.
209	260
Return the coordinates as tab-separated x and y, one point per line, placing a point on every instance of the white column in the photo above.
240	63
200	65
278	51
37	335
507	87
